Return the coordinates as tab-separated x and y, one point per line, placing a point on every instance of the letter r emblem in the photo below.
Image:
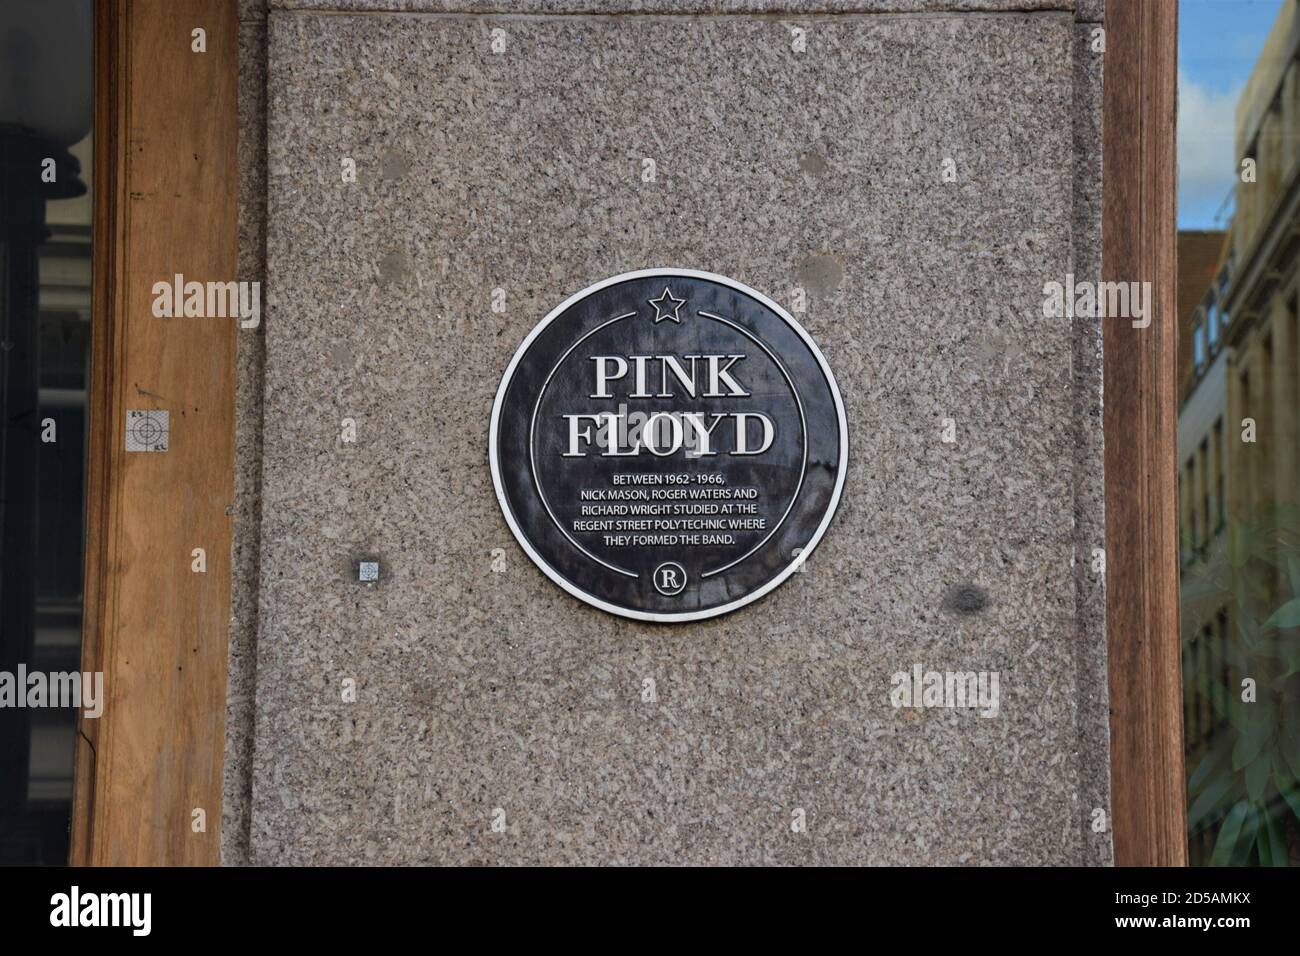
670	578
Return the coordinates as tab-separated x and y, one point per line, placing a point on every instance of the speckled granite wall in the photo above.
246	544
1085	8
489	694
1088	444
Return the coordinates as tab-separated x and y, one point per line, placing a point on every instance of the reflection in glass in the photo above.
1239	483
46	56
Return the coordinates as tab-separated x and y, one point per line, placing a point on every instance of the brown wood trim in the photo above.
105	239
165	203
1148	786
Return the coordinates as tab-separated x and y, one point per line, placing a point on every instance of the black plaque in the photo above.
668	445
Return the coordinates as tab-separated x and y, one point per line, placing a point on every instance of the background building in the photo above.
1238	444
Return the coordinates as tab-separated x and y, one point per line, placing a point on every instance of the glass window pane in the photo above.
45	321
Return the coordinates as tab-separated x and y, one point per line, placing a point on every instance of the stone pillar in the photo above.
906	184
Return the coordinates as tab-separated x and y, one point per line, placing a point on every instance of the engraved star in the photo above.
669	312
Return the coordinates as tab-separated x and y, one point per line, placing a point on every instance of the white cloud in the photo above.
1207	166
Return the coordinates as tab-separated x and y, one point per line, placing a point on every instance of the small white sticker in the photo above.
369	571
147	430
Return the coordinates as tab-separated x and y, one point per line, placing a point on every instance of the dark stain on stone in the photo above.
392	267
394	165
965	599
340	356
821	273
814	164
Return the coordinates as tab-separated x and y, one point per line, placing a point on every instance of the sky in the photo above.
1218	43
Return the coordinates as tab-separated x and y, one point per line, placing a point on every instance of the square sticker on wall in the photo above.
147	430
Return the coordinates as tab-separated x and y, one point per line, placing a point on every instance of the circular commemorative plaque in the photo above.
668	445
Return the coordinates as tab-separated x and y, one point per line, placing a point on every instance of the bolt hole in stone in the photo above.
965	599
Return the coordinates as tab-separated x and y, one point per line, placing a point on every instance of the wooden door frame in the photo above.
164	197
1139	243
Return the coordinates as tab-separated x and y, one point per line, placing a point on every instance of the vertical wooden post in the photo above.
165	195
1148	787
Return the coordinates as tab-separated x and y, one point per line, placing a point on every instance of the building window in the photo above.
1184	509
1198	345
1220	468
1224	285
1204	503
1213	720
